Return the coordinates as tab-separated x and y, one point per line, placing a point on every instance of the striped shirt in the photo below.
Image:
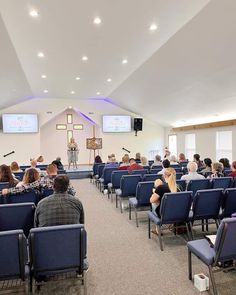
59	209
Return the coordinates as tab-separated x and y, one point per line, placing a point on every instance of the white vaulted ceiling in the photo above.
181	72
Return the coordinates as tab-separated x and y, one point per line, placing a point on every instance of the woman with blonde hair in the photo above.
30	176
168	186
15	167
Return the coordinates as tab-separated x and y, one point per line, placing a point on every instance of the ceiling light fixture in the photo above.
97	21
44	76
153	27
124	61
77	78
84	58
45	91
40	54
109	80
34	13
69	107
72	92
98	93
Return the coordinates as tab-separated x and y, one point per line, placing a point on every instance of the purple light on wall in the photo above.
105	99
87	118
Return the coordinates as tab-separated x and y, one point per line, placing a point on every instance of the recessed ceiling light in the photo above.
97	21
34	13
109	80
77	78
84	58
153	27
98	93
124	61
72	92
45	91
69	107
43	76
40	54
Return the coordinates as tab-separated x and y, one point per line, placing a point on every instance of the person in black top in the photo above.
167	186
58	163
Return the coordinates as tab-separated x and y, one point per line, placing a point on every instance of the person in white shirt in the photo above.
192	172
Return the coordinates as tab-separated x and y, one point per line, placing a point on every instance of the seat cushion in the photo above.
154	218
203	250
133	202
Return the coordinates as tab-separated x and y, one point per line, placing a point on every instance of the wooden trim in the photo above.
204	126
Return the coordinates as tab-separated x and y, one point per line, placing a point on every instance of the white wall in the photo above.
52	143
205	141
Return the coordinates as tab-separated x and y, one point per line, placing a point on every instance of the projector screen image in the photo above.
20	123
116	123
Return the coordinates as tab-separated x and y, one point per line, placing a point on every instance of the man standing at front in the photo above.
60	208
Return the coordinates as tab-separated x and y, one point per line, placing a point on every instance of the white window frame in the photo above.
191	150
172	150
222	150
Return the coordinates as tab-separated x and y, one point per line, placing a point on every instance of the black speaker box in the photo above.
138	124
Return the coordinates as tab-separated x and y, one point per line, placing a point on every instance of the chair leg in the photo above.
116	201
189	265
149	228
188	235
217	223
129	212
121	209
202	224
191	229
136	216
212	280
206	224
159	236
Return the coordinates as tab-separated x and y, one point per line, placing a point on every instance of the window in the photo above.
172	144
224	145
190	146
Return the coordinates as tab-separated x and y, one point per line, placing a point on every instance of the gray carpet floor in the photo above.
124	261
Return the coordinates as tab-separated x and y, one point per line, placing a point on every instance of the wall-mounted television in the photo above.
117	123
20	123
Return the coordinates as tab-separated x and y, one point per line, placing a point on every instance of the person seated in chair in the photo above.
58	163
134	165
165	164
233	168
192	172
217	170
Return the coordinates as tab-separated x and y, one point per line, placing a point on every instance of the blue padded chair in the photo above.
142	198
223	250
181	183
13	256
57	249
159	167
19	175
106	177
229	204
179	175
174	209
4	185
128	184
17	216
198	184
61	172
45	192
115	181
155	170
27	197
95	170
206	205
99	173
227	172
139	172
150	162
147	167
222	182
151	177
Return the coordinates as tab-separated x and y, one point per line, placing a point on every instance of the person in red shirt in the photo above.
233	168
134	165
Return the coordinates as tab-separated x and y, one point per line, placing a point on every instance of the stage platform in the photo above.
83	171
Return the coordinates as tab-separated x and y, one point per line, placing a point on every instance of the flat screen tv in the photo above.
116	123
20	123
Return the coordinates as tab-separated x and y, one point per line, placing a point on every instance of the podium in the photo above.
72	157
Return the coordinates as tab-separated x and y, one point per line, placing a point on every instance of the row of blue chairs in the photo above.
45	256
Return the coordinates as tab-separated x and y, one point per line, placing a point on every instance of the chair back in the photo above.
27	197
61	172
100	169
144	192
155	170
56	249
227	172
198	184
159	167
179	175
150	177
150	162
128	184
116	177
95	168
4	185
229	202
206	204
19	175
222	182
175	207
140	172
147	167
107	174
181	183
17	216
13	254
225	245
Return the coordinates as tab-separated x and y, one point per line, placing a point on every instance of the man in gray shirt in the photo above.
60	208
